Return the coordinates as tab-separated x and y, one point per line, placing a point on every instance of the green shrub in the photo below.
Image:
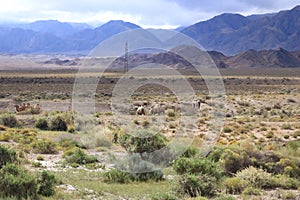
17	182
42	124
251	191
284	182
117	176
146	143
68	143
256	178
71	129
46	182
143	141
233	162
7	156
199	176
234	185
197	185
287	195
58	123
286	127
270	135
9	120
44	147
6	136
286	137
170	113
190	152
80	157
197	166
227	130
36	164
155	175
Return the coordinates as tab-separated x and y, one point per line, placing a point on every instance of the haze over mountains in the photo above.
232	40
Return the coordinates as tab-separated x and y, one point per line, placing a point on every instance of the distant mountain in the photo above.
57	37
18	40
57	28
89	38
228	33
233	33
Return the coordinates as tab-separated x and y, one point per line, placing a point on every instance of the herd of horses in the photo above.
140	109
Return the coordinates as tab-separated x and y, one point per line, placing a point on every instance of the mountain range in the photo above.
232	40
234	33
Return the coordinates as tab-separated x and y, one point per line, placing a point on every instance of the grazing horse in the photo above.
197	103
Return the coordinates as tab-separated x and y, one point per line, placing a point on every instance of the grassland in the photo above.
262	117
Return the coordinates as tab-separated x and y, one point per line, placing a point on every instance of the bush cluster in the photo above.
199	176
20	183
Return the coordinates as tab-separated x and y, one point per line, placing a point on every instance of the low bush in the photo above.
232	161
227	130
234	185
5	137
7	156
46	182
251	191
22	184
117	176
80	157
197	185
17	182
284	182
155	175
197	166
44	147
190	152
9	120
199	176
42	124
170	113
68	143
286	127
256	178
143	141
58	123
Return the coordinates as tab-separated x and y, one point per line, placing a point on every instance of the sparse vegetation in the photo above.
256	154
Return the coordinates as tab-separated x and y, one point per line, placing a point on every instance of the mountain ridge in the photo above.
228	33
265	32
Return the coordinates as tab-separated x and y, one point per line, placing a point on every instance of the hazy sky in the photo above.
146	13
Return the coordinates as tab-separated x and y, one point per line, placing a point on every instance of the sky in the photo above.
146	13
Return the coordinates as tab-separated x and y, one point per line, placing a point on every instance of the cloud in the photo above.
241	6
154	13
